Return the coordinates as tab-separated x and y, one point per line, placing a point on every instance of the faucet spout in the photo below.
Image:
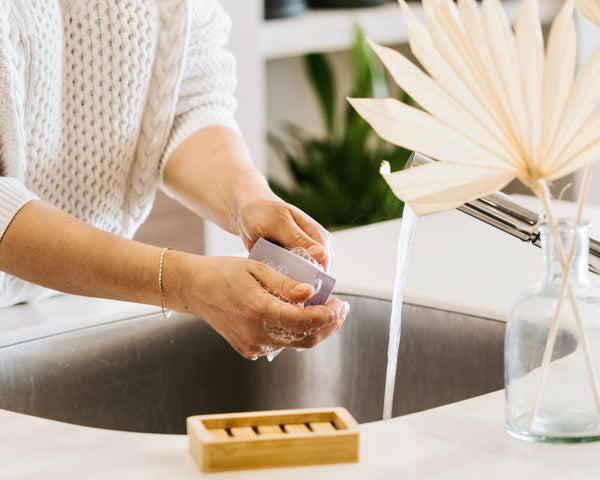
502	212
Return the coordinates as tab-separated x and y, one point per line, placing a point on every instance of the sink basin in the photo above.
148	373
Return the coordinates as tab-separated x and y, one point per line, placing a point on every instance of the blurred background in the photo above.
297	60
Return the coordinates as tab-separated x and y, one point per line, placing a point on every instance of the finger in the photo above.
249	352
318	239
300	231
299	241
281	286
311	340
313	228
305	320
282	337
298	319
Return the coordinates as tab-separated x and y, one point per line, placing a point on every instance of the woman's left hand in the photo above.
270	217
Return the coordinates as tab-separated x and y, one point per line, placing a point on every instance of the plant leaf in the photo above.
370	76
582	102
590	10
581	151
414	129
427	93
561	55
425	51
502	44
442	186
323	82
491	85
530	46
454	45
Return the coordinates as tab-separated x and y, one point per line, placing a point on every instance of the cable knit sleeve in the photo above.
13	193
207	91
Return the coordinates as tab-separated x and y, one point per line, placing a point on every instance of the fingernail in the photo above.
302	288
316	251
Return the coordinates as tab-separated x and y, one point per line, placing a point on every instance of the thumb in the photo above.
284	287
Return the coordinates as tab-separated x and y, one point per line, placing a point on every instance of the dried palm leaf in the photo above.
496	105
590	9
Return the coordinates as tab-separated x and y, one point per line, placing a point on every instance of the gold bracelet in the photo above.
168	312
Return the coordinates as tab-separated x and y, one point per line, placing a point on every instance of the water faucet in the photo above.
501	211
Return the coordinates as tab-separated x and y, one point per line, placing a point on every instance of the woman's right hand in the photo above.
255	308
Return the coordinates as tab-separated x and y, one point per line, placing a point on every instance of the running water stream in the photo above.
407	230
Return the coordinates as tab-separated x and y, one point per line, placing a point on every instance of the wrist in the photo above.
172	275
166	313
251	186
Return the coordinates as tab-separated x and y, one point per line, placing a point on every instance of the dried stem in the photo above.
592	377
543	194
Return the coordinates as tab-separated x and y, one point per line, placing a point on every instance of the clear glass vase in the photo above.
552	346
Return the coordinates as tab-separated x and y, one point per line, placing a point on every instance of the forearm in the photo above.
48	247
212	174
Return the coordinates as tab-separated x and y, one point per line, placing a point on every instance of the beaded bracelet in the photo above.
168	312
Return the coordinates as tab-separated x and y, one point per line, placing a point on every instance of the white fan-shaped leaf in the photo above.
416	130
590	9
530	46
559	71
453	43
582	102
493	87
425	51
458	48
581	150
428	94
499	106
502	44
440	186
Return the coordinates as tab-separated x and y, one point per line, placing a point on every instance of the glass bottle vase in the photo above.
552	345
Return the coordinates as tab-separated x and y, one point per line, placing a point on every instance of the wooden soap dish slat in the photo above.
270	430
276	438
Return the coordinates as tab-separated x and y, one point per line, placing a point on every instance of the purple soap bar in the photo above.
295	267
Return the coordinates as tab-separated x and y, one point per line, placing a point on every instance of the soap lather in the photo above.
295	267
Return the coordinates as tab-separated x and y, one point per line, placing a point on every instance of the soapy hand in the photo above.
254	307
284	224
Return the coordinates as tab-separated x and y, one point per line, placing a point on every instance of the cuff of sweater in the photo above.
13	195
189	123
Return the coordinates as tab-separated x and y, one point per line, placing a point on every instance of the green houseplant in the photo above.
335	177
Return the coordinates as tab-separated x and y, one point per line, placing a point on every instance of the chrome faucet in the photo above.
501	211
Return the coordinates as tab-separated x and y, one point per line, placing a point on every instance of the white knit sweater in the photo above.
94	97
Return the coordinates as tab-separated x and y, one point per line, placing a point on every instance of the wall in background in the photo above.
589	40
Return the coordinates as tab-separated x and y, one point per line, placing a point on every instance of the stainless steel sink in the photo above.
149	373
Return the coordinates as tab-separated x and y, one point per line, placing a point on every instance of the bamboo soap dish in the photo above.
278	438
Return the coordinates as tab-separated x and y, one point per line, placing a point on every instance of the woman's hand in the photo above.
254	307
212	174
266	215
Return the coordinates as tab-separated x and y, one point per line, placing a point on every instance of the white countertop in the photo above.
457	264
465	440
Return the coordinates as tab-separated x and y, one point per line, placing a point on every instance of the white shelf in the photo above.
329	30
